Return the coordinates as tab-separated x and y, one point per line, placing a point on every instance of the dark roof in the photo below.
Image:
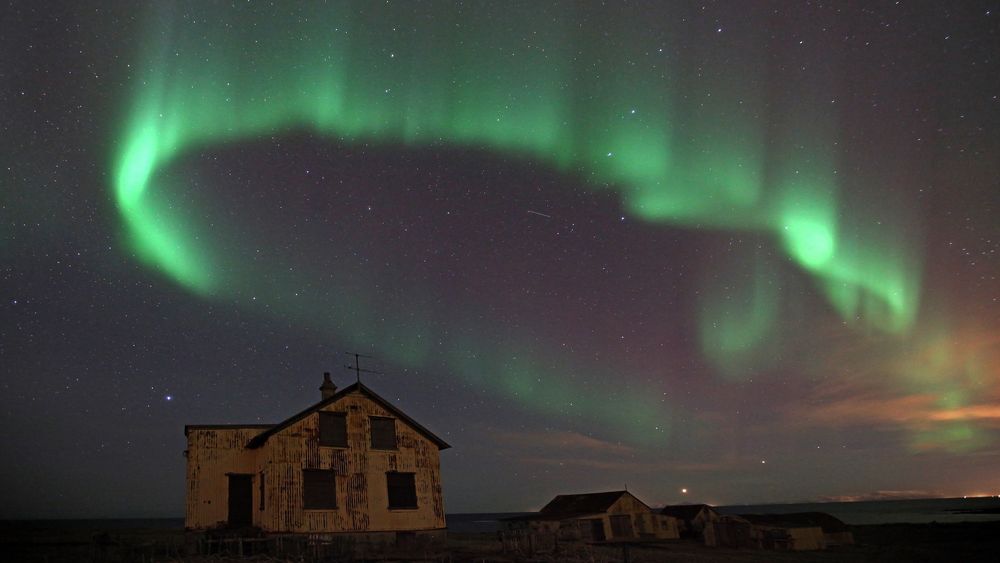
565	506
685	511
189	427
261	438
829	523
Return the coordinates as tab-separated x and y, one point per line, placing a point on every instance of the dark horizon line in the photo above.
861	501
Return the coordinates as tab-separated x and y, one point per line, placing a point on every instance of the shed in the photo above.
605	516
692	518
729	531
831	530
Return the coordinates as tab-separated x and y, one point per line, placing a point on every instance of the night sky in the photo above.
743	249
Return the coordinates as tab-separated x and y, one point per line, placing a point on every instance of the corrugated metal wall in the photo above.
644	521
211	453
362	502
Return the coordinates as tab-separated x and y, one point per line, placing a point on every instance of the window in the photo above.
402	490
319	489
383	433
333	429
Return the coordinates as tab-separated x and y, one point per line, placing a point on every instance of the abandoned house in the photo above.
608	516
352	464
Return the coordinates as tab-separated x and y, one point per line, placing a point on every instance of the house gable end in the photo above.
628	502
330	406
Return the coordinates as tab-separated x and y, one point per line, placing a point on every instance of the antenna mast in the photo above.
358	370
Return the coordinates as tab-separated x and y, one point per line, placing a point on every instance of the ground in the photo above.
52	543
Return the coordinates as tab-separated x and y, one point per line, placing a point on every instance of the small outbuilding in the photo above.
807	530
772	531
598	517
691	518
729	530
835	532
803	531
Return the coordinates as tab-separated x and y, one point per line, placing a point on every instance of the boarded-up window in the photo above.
621	526
319	489
402	490
383	433
333	429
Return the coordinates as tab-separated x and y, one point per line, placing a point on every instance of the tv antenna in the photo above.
358	370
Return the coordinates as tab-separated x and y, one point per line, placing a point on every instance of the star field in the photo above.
724	253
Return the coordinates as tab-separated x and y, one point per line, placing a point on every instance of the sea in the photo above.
916	511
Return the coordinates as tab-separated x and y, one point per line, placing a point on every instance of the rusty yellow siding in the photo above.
211	454
361	489
644	522
362	503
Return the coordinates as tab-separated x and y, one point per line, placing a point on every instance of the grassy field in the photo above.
21	542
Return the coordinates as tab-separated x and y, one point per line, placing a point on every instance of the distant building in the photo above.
608	516
351	464
824	530
835	532
692	518
729	531
802	531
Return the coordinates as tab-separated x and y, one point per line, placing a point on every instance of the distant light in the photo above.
763	461
685	491
169	397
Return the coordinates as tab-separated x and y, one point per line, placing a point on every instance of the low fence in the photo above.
176	546
529	542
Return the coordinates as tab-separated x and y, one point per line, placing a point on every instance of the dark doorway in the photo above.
240	500
597	530
621	526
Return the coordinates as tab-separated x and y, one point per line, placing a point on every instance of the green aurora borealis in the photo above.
746	249
724	154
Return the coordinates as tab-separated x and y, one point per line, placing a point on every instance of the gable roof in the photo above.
685	511
565	506
261	438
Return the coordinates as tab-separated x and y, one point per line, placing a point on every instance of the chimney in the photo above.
328	388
